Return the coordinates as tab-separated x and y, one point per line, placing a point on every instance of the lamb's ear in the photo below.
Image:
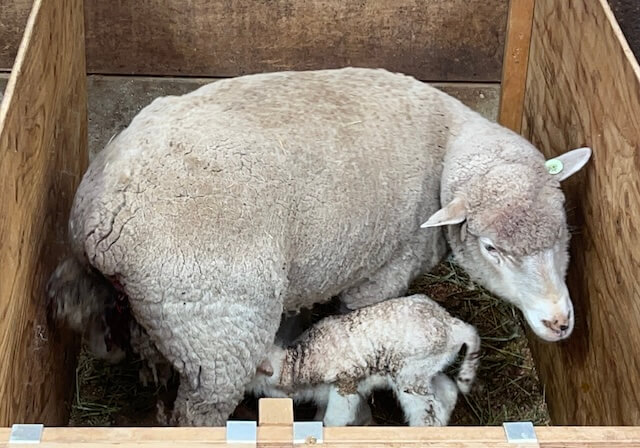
265	368
568	163
454	212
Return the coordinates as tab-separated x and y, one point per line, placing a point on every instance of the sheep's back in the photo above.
310	180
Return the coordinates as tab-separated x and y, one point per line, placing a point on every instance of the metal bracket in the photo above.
244	432
520	432
309	433
31	433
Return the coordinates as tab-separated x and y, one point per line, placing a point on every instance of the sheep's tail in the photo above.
77	296
467	334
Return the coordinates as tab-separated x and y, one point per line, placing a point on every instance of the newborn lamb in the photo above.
403	344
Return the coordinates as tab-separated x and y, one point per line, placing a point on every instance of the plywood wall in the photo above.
43	137
583	88
435	40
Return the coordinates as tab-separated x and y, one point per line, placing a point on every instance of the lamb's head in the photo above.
507	228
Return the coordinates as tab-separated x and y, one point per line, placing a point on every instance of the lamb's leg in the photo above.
363	414
420	254
342	410
414	378
414	392
419	410
418	396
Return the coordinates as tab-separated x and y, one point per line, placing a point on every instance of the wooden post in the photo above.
275	422
43	154
514	66
275	412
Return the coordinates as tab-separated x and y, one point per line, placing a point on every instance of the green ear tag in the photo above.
554	166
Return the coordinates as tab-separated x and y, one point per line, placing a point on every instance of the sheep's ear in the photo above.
568	163
454	212
265	368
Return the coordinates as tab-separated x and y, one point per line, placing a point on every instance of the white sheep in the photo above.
220	209
401	344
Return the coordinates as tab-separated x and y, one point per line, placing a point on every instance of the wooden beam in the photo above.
514	66
583	89
43	135
458	40
341	437
435	40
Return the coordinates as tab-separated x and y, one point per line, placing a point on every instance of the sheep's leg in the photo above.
200	407
342	410
392	280
216	344
225	361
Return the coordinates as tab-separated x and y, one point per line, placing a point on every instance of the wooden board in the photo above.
516	56
431	39
457	40
42	156
339	437
583	88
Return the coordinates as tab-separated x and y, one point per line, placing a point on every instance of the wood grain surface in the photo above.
342	437
275	412
583	89
431	39
514	67
43	137
457	40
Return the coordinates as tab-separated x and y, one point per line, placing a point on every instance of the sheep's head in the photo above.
507	228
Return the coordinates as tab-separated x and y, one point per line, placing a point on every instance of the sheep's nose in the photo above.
559	325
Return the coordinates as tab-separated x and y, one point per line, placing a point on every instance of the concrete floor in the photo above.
115	100
627	14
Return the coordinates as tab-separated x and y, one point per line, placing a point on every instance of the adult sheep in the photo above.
218	210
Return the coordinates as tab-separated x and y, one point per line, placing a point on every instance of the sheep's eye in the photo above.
490	248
